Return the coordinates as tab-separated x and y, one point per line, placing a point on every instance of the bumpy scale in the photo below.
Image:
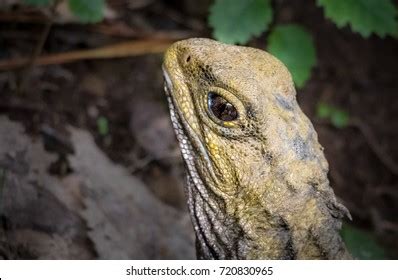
257	177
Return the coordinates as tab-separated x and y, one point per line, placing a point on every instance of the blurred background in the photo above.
89	165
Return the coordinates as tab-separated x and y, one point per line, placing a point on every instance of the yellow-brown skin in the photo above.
257	185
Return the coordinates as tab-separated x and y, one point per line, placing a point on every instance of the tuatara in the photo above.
257	177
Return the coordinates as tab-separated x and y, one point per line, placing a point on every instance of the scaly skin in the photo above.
257	185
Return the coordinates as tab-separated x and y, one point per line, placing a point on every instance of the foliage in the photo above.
364	16
103	126
339	118
361	244
38	2
236	21
88	11
294	46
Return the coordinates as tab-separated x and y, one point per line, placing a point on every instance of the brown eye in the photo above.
221	108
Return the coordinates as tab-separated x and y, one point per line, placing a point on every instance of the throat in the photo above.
221	236
215	232
266	235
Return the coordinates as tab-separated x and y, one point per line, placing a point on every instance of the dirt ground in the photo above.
356	74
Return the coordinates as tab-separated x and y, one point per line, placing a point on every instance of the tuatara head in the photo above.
257	177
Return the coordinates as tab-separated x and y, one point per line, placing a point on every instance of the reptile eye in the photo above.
221	108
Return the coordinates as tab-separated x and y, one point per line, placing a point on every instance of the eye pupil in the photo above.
221	108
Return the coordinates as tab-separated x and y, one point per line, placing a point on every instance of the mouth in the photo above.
167	81
182	129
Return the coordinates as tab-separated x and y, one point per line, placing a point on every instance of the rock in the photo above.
99	211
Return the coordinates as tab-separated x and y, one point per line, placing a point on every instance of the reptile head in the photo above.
257	176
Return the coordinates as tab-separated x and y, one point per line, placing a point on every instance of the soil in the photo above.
356	74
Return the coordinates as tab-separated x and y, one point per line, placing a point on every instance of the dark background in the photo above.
53	218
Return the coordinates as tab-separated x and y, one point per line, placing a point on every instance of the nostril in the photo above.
188	58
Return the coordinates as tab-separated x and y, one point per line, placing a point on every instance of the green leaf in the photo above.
103	126
38	2
364	16
361	244
339	118
236	21
294	46
323	110
88	11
